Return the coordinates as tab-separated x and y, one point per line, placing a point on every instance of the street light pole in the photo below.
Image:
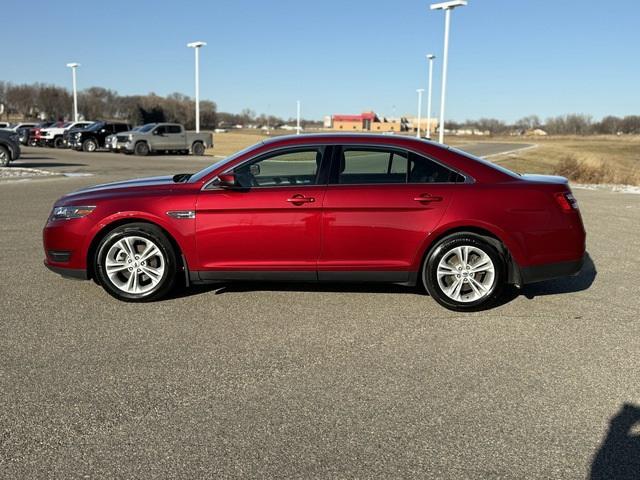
430	57
447	7
196	46
298	118
420	90
73	67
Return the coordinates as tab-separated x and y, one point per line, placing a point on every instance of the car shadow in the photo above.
580	282
249	286
618	457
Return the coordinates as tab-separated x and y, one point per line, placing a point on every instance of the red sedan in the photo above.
324	208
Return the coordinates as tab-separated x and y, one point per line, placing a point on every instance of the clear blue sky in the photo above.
508	58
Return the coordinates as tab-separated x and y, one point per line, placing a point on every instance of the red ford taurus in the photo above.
324	208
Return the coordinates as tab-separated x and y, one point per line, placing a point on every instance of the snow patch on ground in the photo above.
609	187
20	172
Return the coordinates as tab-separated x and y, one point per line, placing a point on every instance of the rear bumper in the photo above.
548	271
74	273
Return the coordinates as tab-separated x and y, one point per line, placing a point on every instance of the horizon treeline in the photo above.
32	101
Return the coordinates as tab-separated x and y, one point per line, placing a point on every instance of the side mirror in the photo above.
226	180
156	132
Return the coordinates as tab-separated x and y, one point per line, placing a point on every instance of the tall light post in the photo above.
73	67
430	58
420	90
298	117
196	46
447	7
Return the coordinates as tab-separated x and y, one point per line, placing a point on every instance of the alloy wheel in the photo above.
466	274
134	265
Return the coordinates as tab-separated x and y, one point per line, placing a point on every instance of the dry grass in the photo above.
596	159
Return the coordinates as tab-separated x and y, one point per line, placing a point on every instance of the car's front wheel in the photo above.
5	156
136	263
463	272
89	145
141	149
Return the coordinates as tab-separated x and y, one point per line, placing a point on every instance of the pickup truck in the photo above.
52	136
163	137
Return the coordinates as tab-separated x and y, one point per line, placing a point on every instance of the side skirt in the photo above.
212	276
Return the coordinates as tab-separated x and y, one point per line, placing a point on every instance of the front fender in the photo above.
181	230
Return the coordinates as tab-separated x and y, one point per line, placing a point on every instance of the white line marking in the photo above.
511	151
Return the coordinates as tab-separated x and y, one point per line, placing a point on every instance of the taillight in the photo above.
567	201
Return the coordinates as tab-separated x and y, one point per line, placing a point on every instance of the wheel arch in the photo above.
111	226
499	240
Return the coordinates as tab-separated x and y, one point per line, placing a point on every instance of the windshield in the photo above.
485	162
95	126
203	173
147	127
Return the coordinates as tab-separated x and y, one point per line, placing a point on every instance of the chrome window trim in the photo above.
468	179
275	150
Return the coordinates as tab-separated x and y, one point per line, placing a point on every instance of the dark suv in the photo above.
93	137
9	147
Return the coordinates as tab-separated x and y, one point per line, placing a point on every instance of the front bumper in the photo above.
549	271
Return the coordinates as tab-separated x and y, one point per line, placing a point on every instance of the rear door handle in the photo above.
300	199
426	197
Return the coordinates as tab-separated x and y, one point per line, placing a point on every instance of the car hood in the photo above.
128	184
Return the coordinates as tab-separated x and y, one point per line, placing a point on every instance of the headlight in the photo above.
66	213
130	137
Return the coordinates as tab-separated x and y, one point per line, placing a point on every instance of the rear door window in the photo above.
368	165
425	170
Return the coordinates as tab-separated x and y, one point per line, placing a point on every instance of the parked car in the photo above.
53	136
34	137
329	208
9	147
111	142
22	129
70	132
163	137
94	136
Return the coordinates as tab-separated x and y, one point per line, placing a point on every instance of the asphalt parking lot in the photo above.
313	381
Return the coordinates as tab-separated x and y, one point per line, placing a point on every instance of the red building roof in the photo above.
356	118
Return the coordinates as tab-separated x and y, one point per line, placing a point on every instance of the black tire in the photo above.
141	149
5	156
145	231
89	145
198	149
58	142
444	248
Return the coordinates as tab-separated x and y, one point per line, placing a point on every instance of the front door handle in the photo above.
300	199
427	197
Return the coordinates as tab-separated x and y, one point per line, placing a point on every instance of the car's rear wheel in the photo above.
198	148
89	145
136	263
58	142
463	272
141	149
5	156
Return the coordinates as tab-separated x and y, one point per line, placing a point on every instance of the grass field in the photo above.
592	159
